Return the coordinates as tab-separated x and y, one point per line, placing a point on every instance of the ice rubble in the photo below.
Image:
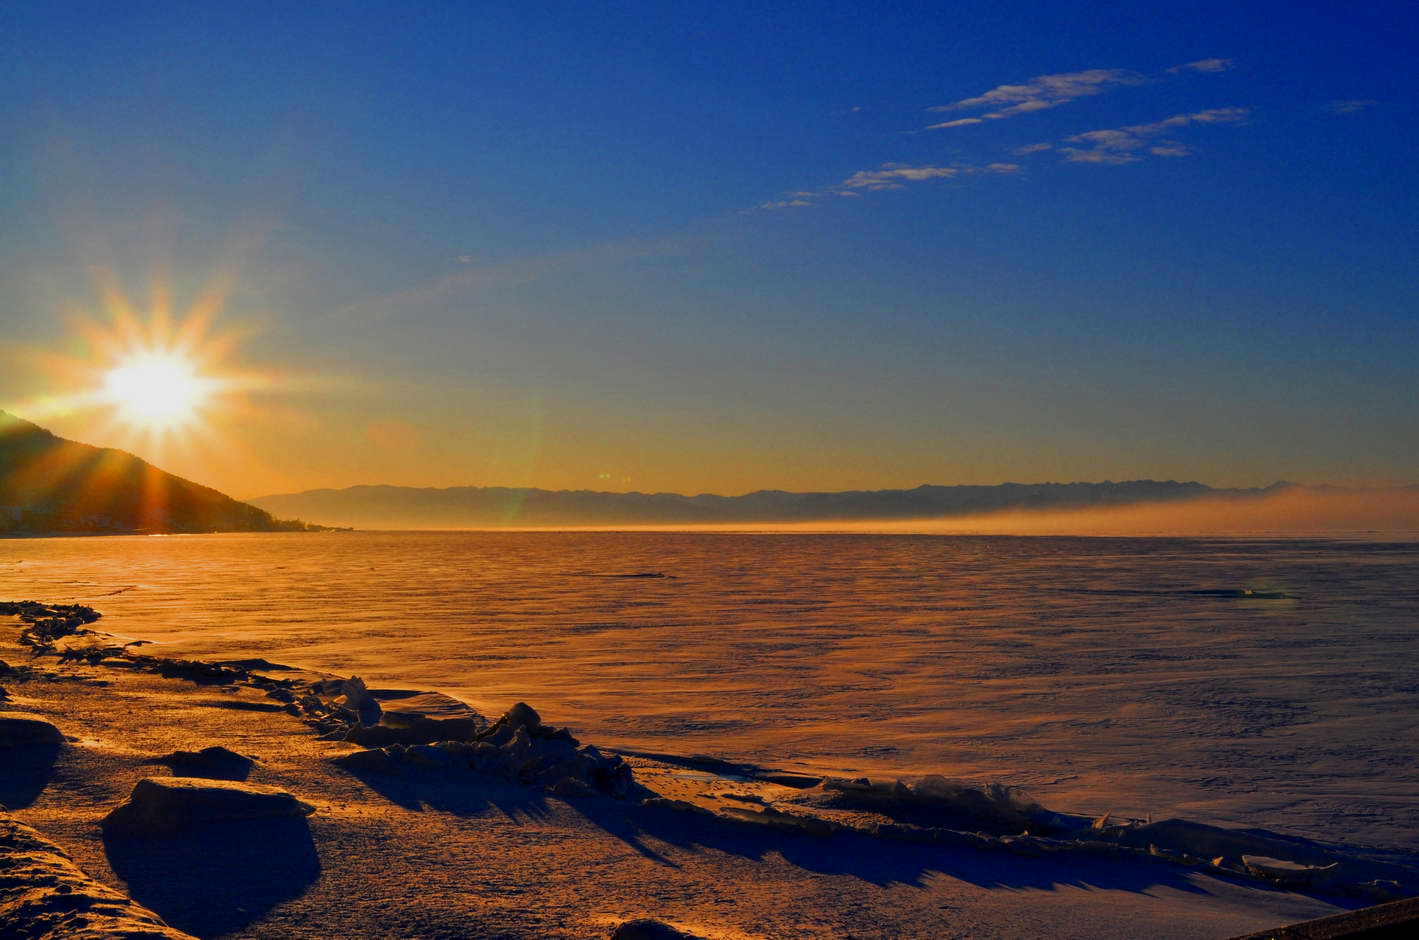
517	747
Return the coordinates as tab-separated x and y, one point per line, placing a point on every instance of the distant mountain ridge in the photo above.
385	506
49	485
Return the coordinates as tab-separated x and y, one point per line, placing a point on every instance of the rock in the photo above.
414	731
44	896
544	756
28	733
254	663
193	670
777	819
216	762
644	928
49	623
569	788
375	759
409	717
517	747
521	717
935	802
1203	841
1287	874
351	697
173	804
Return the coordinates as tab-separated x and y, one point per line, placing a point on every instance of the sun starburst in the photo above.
157	390
148	379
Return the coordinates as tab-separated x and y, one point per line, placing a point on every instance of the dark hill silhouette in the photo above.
52	485
479	507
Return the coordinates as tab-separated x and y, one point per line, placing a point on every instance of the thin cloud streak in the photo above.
1050	91
1038	94
1114	146
894	175
888	176
959	122
1202	65
1117	146
1350	105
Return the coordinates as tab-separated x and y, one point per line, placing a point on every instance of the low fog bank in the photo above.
1142	507
1288	512
479	507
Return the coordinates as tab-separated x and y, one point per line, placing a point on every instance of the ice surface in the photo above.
1088	671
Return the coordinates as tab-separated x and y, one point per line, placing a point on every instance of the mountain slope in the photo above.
478	507
52	485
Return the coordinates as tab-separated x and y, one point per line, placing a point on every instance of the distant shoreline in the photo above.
865	530
312	530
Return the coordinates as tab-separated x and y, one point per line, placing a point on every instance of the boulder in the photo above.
644	928
28	733
375	759
1287	874
161	805
216	762
519	716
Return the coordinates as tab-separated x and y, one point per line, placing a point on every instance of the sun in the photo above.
157	391
137	374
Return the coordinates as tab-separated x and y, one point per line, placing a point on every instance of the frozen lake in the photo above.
1097	672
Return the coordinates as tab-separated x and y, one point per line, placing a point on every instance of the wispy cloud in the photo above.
1050	91
1116	146
895	175
959	122
1037	94
1349	105
1119	145
1201	65
887	176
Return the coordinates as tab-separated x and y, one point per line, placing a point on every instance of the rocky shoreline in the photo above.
421	738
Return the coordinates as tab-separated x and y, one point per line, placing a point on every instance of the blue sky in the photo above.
720	247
